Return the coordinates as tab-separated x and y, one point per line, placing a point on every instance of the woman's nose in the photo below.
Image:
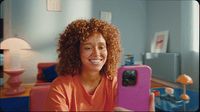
96	51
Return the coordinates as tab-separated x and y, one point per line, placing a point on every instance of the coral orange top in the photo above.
67	93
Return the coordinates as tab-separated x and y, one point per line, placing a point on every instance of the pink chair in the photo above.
39	91
38	95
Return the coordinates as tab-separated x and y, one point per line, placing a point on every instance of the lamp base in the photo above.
14	81
185	97
15	91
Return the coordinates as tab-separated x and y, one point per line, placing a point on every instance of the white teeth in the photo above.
95	61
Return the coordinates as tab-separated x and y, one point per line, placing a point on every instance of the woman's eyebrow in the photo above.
86	43
102	43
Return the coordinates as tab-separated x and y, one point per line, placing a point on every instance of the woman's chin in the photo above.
96	68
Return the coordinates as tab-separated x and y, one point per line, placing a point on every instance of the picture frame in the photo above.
159	42
106	16
53	5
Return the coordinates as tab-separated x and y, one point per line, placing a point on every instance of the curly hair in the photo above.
69	61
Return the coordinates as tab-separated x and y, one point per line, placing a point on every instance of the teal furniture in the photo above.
14	104
164	103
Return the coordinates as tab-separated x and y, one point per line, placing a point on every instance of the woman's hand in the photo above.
120	109
152	102
151	106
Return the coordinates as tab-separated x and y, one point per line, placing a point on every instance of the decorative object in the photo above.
166	103
53	5
129	60
106	16
49	74
169	91
14	81
40	74
14	45
159	43
156	92
184	79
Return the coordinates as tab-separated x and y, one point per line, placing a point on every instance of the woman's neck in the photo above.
90	77
90	81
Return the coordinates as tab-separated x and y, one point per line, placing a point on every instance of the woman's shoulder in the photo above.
114	82
111	81
63	80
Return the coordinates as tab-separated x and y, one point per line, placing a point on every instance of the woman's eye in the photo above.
101	47
87	48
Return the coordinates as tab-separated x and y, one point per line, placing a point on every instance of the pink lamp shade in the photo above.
14	43
13	46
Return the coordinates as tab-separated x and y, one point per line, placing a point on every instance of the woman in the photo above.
89	54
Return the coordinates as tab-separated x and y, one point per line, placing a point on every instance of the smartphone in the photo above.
134	87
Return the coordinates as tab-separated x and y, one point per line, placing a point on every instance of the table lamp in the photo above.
14	45
184	79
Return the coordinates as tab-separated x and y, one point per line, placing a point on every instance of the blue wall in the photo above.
130	17
137	20
31	20
177	18
161	16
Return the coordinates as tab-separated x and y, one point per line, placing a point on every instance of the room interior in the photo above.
137	20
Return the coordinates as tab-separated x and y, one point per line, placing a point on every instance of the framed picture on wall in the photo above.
53	5
159	42
106	16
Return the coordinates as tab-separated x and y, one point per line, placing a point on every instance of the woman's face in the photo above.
93	52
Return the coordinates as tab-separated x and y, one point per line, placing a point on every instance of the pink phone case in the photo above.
134	90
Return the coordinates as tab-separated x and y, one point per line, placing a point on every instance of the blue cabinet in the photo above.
167	105
165	66
17	104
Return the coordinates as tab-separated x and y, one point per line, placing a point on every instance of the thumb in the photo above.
152	103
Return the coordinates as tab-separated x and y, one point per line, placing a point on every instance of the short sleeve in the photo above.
57	99
114	87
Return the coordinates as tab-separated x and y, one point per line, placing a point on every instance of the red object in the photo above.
40	67
14	81
38	95
39	91
156	92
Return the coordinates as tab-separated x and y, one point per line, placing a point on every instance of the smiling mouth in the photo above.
96	61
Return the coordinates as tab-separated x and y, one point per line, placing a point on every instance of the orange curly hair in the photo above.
69	44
